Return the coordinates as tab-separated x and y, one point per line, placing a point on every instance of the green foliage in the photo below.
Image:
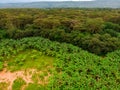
2	34
94	30
74	68
101	44
111	32
18	83
29	59
110	25
94	25
35	87
85	71
63	25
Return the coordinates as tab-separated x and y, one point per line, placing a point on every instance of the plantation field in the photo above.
46	65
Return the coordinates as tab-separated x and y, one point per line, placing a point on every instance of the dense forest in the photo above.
82	47
94	30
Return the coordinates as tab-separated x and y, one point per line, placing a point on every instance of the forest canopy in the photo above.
94	30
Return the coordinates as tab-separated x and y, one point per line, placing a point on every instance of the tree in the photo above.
48	23
94	25
22	20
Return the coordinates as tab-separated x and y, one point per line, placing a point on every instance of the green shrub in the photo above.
35	87
18	83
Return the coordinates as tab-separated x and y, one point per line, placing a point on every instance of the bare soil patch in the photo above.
26	75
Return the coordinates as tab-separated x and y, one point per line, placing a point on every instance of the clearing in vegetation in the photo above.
26	69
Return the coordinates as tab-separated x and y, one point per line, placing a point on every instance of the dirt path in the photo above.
9	77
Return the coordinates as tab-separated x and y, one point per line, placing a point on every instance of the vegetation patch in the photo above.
31	51
30	59
30	66
94	30
18	83
68	64
35	87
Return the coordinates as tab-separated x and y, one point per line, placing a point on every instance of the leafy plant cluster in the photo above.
84	71
75	68
17	84
94	30
30	59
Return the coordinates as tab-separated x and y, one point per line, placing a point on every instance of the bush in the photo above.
17	84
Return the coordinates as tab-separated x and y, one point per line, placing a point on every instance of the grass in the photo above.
40	76
35	87
18	83
30	59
